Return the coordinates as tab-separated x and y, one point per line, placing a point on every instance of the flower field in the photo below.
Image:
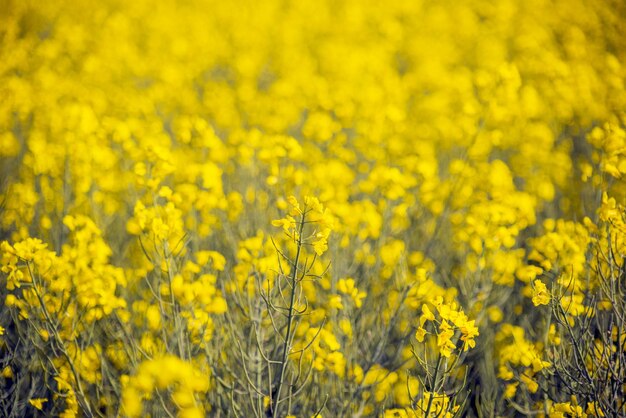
312	209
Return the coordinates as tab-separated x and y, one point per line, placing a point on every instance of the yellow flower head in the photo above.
38	402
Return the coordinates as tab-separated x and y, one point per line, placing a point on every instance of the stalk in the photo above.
290	317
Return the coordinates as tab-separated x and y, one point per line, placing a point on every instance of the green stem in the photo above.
433	386
290	317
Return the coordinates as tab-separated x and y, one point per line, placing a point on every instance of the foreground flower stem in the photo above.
434	386
290	317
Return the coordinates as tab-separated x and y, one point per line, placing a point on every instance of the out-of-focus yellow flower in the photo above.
427	315
347	286
541	296
420	334
37	403
510	390
7	372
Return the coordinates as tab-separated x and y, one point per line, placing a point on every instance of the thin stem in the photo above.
290	317
433	386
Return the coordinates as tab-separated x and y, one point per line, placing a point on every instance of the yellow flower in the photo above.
510	390
347	286
295	206
530	383
192	412
346	327
444	339
287	223
495	314
38	402
183	398
505	373
420	334
594	410
427	315
153	317
528	273
320	246
540	293
7	373
469	331
334	302
131	402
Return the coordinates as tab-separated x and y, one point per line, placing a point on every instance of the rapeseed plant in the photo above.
306	209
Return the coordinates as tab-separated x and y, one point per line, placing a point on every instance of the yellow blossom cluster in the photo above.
448	321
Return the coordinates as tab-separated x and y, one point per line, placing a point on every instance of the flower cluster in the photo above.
165	374
447	323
